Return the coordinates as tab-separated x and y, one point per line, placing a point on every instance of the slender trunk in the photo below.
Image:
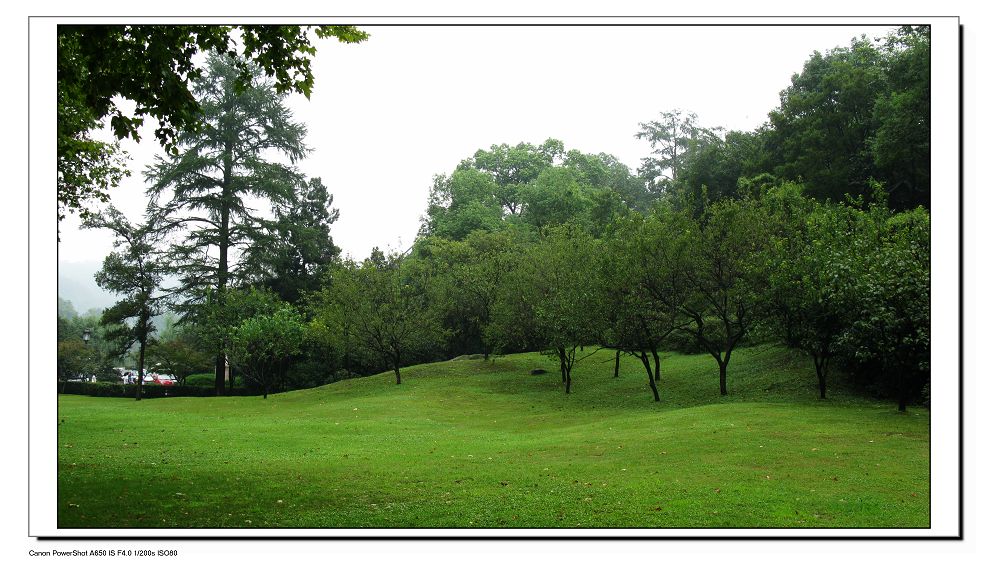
398	369
140	370
617	363
220	373
658	371
651	377
820	363
723	376
224	246
570	359
903	398
346	349
562	363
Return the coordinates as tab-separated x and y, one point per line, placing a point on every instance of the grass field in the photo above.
485	444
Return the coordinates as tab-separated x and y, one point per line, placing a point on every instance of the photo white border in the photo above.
945	302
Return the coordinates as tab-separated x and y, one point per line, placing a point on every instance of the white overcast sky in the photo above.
388	114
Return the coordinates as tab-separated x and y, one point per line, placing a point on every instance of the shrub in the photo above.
114	390
202	379
209	379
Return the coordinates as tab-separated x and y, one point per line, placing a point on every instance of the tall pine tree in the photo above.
224	176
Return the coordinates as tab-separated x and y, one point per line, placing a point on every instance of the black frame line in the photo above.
348	21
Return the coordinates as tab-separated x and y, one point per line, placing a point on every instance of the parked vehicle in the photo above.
83	379
163	379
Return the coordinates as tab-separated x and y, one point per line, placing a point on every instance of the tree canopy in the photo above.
155	67
809	231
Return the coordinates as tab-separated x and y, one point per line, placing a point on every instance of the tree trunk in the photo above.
140	370
903	398
398	369
220	373
617	363
723	376
820	362
224	246
658	372
562	363
346	355
651	377
568	360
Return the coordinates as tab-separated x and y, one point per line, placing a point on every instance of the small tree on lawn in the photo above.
215	321
392	316
263	346
468	276
551	301
134	271
804	296
645	286
887	296
725	275
74	359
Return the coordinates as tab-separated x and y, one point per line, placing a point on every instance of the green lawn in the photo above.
485	444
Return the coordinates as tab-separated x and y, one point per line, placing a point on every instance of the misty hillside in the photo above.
77	285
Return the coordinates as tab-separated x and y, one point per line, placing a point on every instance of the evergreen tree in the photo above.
135	272
214	187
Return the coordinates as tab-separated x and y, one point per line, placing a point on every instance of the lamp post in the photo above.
86	335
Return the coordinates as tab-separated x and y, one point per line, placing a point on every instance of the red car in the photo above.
162	379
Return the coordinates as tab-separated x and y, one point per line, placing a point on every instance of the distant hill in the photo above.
77	284
78	293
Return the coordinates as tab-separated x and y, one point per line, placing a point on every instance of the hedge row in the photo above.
201	379
114	390
209	379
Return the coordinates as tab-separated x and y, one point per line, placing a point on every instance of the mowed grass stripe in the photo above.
485	444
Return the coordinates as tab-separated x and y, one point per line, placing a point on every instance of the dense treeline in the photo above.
812	231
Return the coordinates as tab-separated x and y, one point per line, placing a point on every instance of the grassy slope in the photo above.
484	444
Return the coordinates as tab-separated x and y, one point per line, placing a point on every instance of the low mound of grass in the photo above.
474	443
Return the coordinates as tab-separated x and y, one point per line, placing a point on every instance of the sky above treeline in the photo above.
387	115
